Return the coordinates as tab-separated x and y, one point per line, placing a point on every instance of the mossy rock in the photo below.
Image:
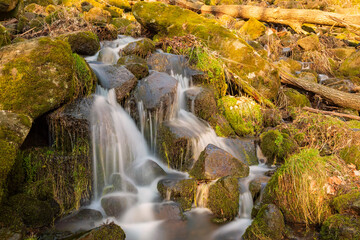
289	65
114	11
7	5
33	212
271	117
310	43
120	22
135	64
223	199
169	21
82	42
341	227
98	16
276	146
222	127
11	224
342	53
295	99
351	155
243	114
108	231
181	191
300	182
252	29
38	75
43	3
140	48
348	203
123	4
268	224
4	36
308	76
349	66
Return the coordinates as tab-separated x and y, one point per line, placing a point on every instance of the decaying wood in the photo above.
291	17
347	116
343	99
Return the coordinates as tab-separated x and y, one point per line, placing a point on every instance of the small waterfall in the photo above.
202	194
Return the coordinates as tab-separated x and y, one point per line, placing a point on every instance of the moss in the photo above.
4	36
123	4
296	99
351	155
223	199
98	16
341	227
310	43
50	9
83	43
86	79
243	114
7	158
10	219
135	65
114	11
354	124
343	203
108	231
7	5
297	187
140	48
252	29
349	66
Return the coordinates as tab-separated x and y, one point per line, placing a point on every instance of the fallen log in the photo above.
343	115
343	99
291	17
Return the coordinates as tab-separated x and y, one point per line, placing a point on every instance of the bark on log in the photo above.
292	17
348	116
343	99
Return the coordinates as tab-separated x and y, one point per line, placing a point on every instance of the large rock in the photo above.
82	42
244	149
252	29
166	62
135	64
268	224
11	225
7	5
309	43
295	99
170	21
341	227
215	163
108	231
117	77
107	56
349	66
147	172
348	203
117	203
181	191
119	183
140	48
223	199
201	101
98	16
168	211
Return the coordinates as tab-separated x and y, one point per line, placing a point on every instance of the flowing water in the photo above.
126	166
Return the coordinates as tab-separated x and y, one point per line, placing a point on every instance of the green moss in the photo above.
10	219
135	65
182	192
98	16
4	36
7	159
223	199
123	4
114	11
108	231
349	66
351	155
341	227
342	203
252	29
140	48
83	43
86	79
243	114
354	124
296	99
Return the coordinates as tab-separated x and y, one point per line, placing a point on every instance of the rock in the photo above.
83	215
166	62
257	185
243	114
310	43
11	225
271	117
347	203
4	36
115	204
201	102
140	48
135	64
290	65
168	211
351	155
295	99
245	150
340	227
123	4
86	6
39	75
147	172
121	184
117	77
252	29
33	212
349	66
222	127
82	42
107	231
268	224
106	55
255	70
223	199
98	16
276	146
7	5
181	191
114	11
308	77
215	163
156	91
342	53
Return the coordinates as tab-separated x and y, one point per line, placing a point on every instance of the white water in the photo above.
119	147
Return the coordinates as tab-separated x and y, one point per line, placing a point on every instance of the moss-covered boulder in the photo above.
140	48
295	99
201	101
181	191
297	187
7	5
341	227
98	16
123	4
310	43
349	65
243	114
82	42
223	199
351	155
4	36
39	75
114	11
214	163
169	21
108	231
276	146
11	225
135	64
289	65
268	224
348	203
252	29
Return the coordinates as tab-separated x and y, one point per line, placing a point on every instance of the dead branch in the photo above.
347	116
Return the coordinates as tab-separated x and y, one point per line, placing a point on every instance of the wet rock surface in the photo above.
165	62
116	204
147	172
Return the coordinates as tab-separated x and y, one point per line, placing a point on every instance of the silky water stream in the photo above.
123	155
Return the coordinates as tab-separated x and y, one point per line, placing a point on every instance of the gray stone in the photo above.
116	204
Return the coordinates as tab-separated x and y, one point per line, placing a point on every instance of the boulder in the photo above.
82	42
348	203
107	231
214	163
146	173
295	99
107	55
117	203
223	199
252	29
123	4
141	48
7	5
257	185
310	43
268	224
98	16
243	114
4	36
169	21
340	227
181	191
114	11
83	215
166	62
119	183
244	149
117	77
168	211
351	155
201	101
135	64
11	225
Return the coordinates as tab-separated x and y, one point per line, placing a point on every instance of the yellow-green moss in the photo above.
114	11
341	227
86	79
123	4
243	114
342	204
351	155
98	16
108	231
295	99
350	66
7	158
252	29
4	36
